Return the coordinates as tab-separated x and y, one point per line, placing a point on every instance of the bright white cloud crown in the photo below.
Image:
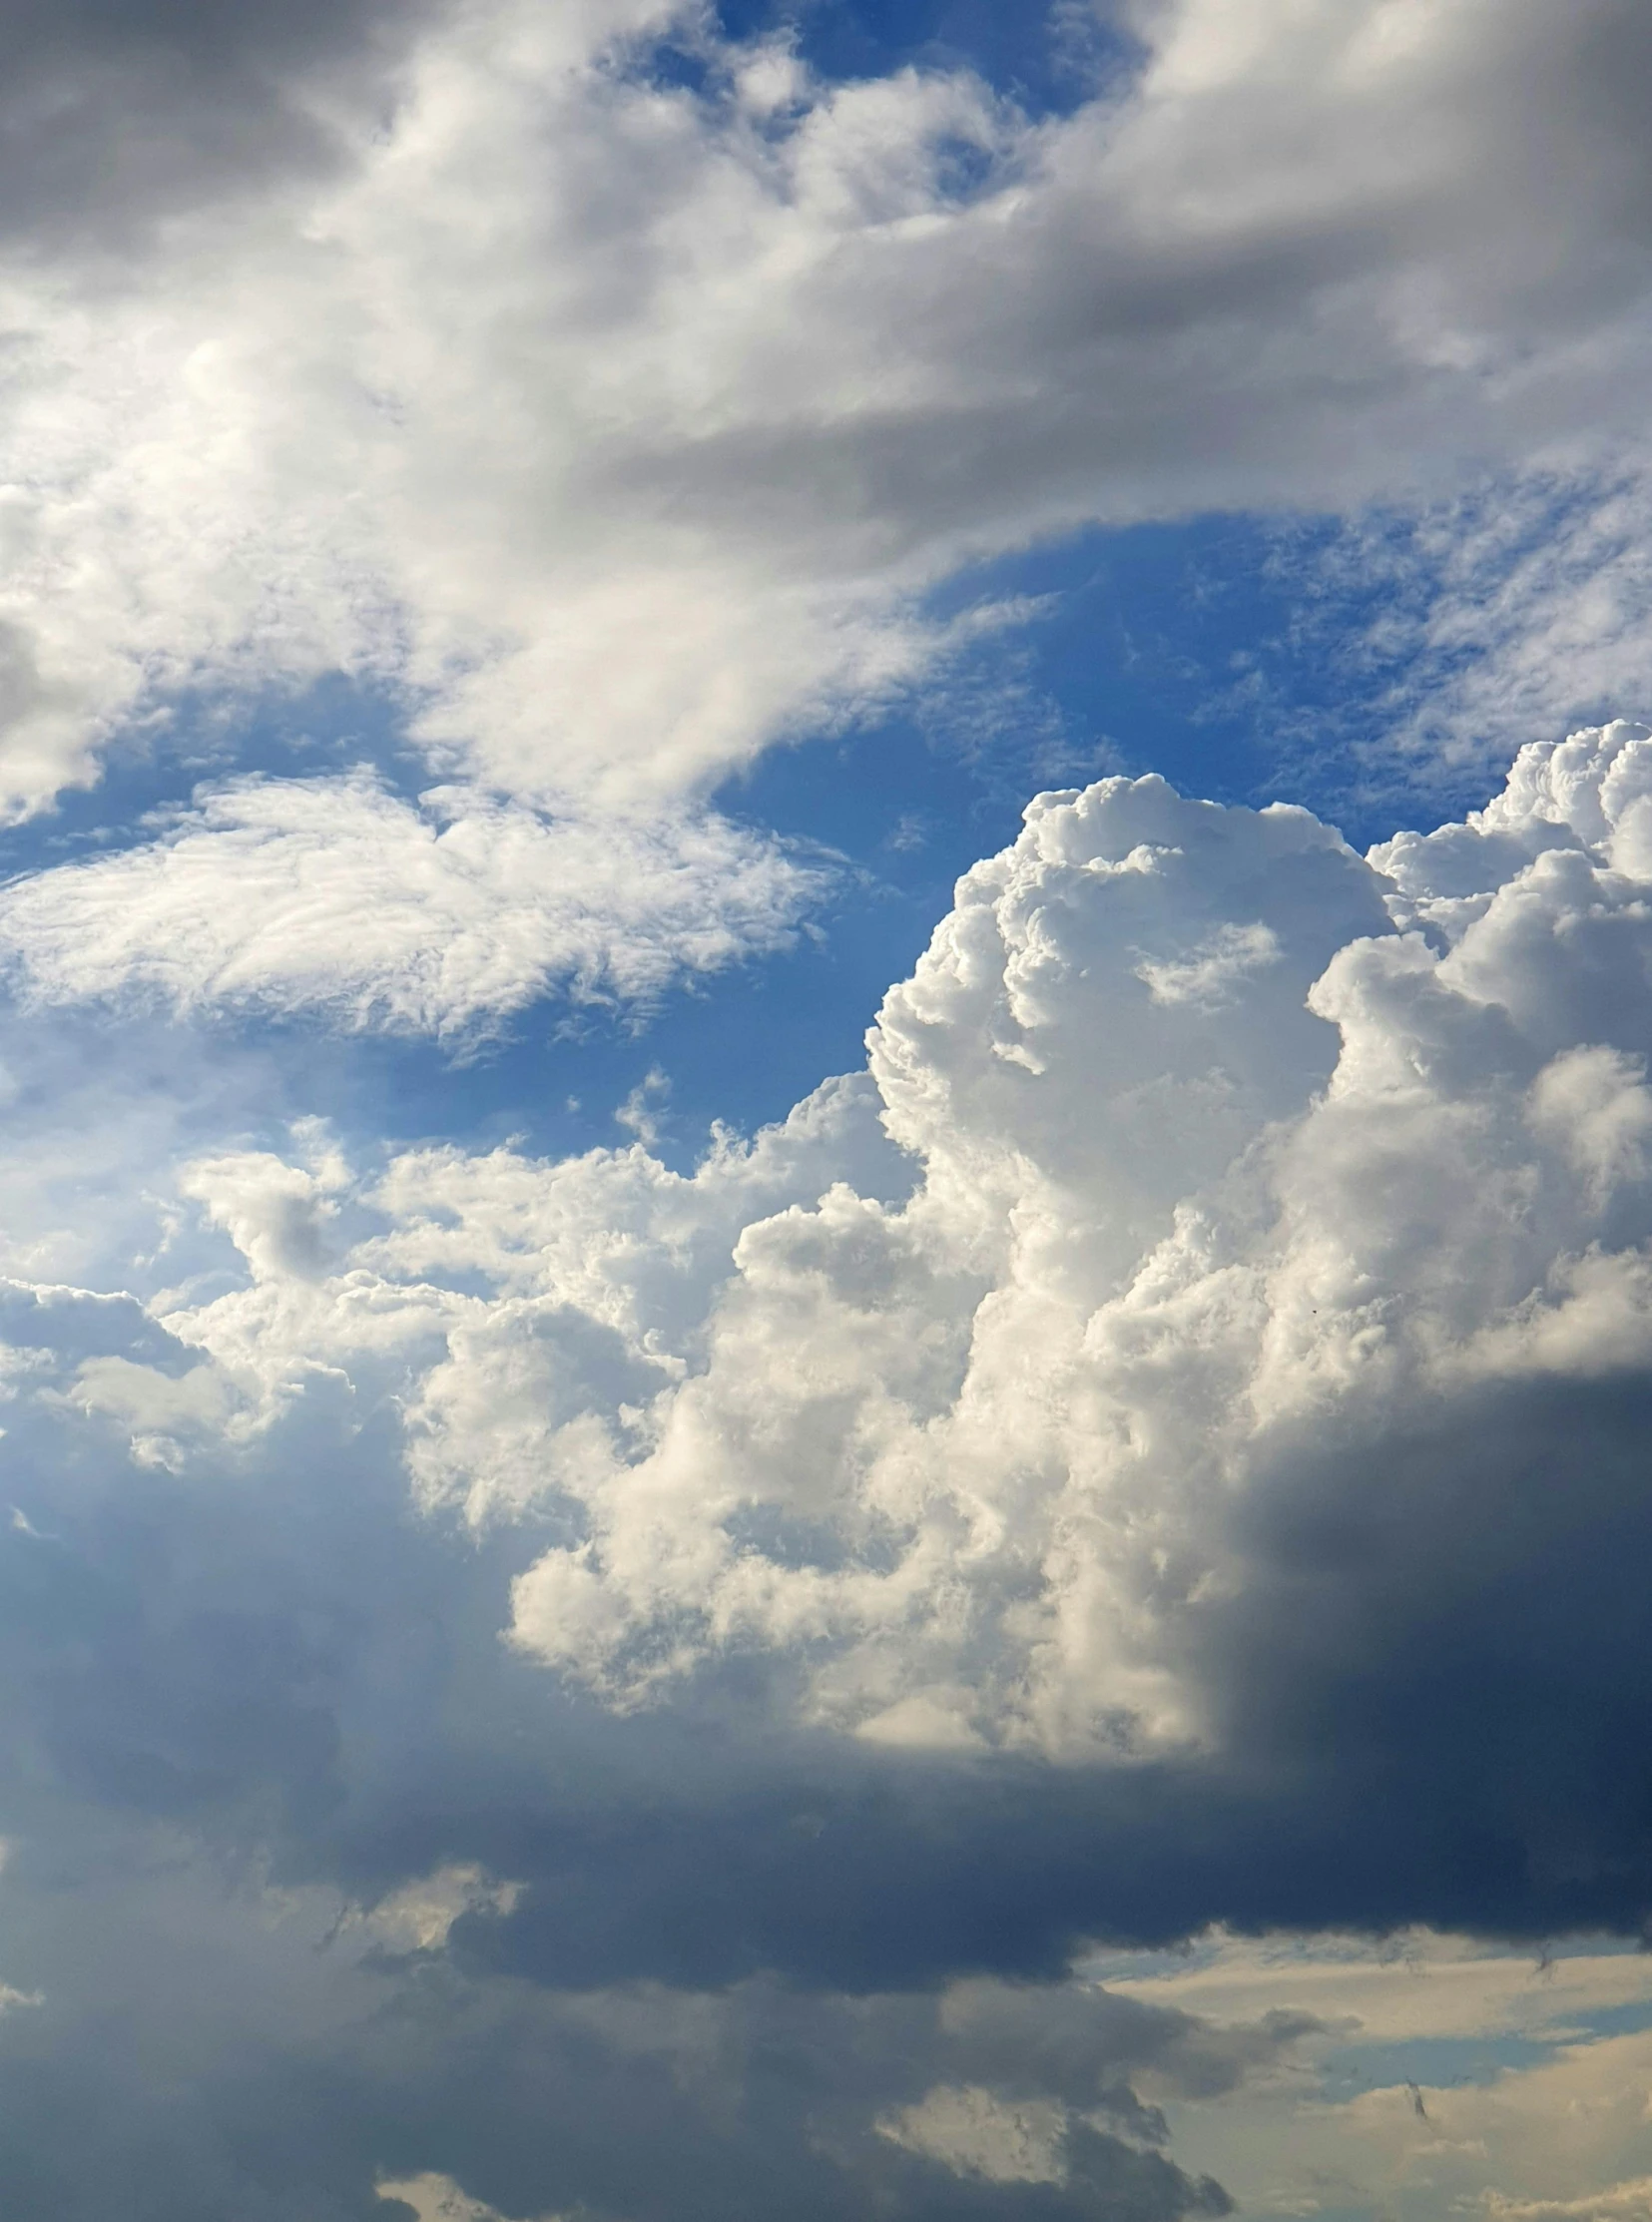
1231	1151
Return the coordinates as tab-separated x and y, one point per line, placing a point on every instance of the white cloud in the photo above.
1415	1987
1625	2199
621	426
334	899
508	1307
418	1917
974	2132
980	1462
436	2198
1211	972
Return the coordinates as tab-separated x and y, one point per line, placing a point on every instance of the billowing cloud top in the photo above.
1240	1171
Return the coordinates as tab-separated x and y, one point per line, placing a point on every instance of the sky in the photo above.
826	1157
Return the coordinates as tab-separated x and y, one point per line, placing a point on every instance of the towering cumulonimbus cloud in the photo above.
1164	1444
1237	1183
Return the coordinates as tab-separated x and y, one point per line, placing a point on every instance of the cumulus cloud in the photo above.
1245	1168
623	426
333	897
213	1678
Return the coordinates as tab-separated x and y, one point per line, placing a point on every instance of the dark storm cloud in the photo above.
274	1672
1435	1689
731	1962
633	2104
1435	1699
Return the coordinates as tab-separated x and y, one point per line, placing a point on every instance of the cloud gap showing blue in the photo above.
1047	61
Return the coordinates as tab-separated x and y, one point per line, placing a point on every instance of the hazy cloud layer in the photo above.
1456	2077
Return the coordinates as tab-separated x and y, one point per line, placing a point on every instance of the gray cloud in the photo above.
244	1698
244	1704
115	117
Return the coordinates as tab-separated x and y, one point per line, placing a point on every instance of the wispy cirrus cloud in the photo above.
334	899
1456	632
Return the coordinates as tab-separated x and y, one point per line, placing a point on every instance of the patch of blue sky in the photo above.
1045	61
1246	658
1628	2020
